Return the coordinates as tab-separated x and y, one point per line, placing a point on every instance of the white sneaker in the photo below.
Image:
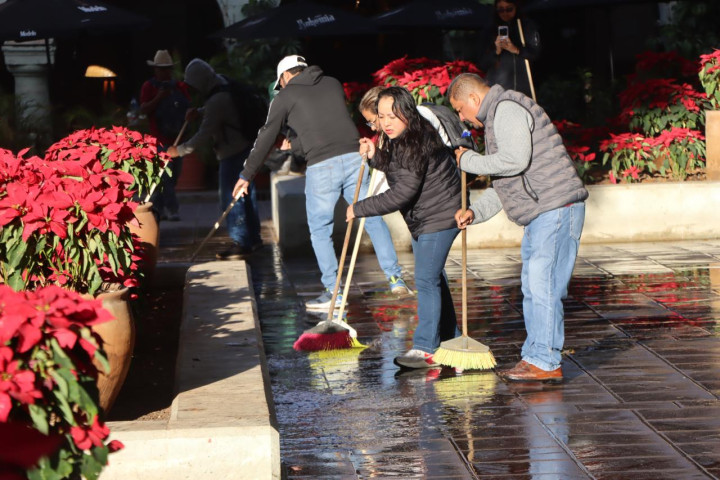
415	358
323	301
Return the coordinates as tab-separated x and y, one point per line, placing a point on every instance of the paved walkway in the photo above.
640	399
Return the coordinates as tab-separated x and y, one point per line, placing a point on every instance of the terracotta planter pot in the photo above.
119	340
149	234
192	174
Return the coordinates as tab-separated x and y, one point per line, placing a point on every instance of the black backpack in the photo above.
250	104
458	134
170	112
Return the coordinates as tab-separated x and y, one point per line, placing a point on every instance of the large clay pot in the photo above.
119	340
149	235
192	174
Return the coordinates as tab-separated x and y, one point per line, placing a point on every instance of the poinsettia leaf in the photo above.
86	402
91	466
61	381
64	407
39	418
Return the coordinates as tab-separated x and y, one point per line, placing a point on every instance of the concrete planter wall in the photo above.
615	213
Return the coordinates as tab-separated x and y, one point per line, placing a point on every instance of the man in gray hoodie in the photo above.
221	124
536	183
313	105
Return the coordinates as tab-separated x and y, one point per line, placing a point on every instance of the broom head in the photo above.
327	335
465	353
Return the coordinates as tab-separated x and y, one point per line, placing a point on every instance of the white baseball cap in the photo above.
291	61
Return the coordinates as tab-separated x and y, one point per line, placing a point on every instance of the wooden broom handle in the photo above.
348	232
527	62
356	248
463	190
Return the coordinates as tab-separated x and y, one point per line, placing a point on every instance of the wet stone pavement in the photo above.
639	400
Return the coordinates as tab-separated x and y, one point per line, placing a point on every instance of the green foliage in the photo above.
693	28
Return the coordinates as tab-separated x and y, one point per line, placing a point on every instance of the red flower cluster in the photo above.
712	61
116	148
65	218
660	93
47	369
423	77
661	63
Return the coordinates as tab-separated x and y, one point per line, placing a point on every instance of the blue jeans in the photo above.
243	220
436	312
549	248
324	183
164	197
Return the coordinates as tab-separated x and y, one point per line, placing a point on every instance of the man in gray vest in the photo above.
535	182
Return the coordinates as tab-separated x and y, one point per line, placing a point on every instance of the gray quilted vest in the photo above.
550	181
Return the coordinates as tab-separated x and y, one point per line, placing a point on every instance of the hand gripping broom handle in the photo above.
177	140
356	248
527	62
463	191
348	232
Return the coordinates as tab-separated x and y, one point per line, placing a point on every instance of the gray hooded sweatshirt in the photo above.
220	119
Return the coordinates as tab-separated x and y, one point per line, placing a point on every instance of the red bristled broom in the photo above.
334	333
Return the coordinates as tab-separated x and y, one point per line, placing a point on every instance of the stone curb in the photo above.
222	422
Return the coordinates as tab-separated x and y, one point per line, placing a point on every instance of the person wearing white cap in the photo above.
313	105
165	100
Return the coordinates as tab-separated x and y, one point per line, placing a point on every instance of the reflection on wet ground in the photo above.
640	398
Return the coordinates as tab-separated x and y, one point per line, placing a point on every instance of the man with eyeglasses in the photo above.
313	105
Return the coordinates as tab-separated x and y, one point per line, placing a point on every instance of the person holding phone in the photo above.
504	58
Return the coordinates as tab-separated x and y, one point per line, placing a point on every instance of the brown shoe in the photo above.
526	372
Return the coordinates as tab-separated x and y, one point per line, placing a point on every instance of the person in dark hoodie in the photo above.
313	105
221	124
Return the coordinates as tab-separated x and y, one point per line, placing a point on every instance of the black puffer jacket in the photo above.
428	200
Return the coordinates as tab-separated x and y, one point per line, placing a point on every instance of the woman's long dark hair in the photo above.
417	144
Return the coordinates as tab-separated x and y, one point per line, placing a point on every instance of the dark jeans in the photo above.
243	221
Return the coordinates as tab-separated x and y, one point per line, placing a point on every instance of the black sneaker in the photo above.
234	252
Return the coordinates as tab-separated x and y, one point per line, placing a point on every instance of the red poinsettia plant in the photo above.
425	78
116	148
65	224
710	76
664	117
48	374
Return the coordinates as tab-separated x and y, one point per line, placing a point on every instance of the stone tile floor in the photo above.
640	398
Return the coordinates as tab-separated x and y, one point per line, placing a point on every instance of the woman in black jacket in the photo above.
505	55
425	187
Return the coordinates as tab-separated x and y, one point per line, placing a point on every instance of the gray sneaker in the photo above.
323	301
399	288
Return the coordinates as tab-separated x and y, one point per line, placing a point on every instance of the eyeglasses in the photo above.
505	10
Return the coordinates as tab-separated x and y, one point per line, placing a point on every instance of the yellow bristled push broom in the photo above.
334	333
464	352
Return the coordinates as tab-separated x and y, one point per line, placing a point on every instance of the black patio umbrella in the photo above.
22	20
446	14
301	19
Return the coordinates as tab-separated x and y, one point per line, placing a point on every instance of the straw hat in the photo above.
162	59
